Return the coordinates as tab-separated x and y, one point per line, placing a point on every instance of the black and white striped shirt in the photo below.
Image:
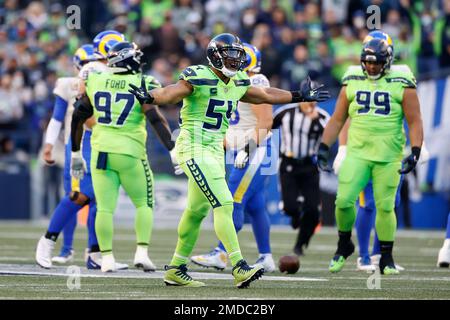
300	135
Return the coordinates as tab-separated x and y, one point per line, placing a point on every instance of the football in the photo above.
289	264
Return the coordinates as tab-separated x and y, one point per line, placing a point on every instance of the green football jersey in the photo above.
375	107
205	115
120	122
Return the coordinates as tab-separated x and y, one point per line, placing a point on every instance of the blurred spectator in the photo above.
442	37
297	68
11	108
9	152
335	10
154	11
186	16
346	50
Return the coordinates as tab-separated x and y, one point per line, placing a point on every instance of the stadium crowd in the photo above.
296	38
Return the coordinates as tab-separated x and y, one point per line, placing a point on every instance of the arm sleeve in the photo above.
54	127
59	109
161	127
83	111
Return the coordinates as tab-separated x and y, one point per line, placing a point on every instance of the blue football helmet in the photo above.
125	57
85	54
105	40
226	53
376	50
253	59
377	34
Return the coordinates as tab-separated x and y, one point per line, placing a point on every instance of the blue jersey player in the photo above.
249	127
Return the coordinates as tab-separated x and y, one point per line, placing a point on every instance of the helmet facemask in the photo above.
227	59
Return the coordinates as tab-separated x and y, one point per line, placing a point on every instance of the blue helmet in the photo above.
84	54
378	34
253	59
125	57
376	50
105	40
225	53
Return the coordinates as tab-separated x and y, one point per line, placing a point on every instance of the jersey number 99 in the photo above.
380	100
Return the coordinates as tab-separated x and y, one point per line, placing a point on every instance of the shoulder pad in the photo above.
353	73
65	87
93	66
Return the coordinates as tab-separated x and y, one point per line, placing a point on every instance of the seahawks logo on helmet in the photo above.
226	53
124	57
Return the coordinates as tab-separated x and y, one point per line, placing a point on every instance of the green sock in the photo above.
345	218
143	224
386	225
188	230
225	231
104	229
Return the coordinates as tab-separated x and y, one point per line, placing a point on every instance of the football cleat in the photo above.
64	257
444	255
142	261
94	262
177	276
215	259
375	260
266	261
387	265
108	263
364	264
44	251
344	251
244	274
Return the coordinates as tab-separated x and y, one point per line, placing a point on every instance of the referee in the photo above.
301	126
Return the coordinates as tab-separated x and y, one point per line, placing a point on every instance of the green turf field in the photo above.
415	250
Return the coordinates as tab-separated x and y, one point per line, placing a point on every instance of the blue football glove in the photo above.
308	93
141	94
322	157
410	162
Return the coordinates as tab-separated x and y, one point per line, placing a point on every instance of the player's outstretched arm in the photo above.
259	95
171	94
411	109
332	130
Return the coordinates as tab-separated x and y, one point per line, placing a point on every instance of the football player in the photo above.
210	94
365	218
119	155
376	99
249	139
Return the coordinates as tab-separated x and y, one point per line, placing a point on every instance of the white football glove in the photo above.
424	154
176	166
342	152
241	159
77	165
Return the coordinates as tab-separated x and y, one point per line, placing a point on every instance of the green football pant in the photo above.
136	178
354	175
206	188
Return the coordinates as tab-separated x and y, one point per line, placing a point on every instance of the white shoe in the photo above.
444	255
108	263
375	259
63	259
215	259
94	262
266	261
365	265
142	261
44	251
